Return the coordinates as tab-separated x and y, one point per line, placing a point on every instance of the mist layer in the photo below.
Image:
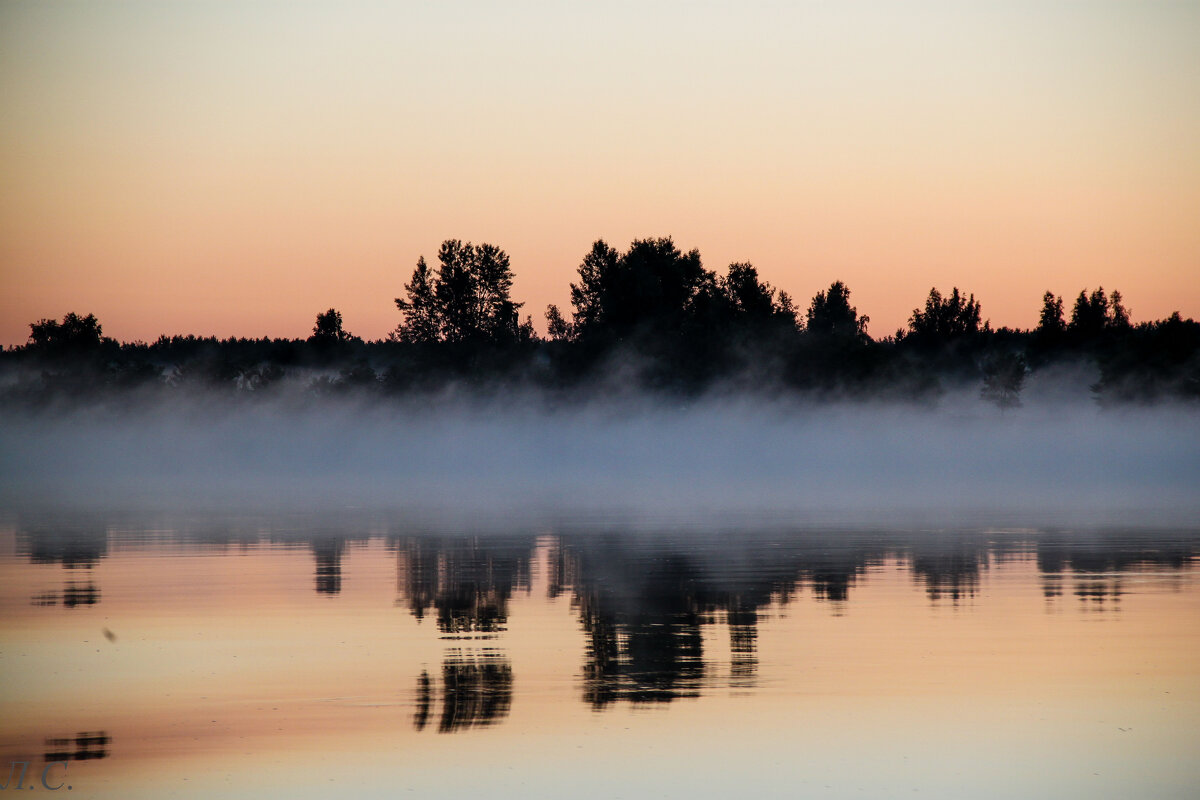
515	460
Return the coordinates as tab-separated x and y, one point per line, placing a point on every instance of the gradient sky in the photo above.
235	168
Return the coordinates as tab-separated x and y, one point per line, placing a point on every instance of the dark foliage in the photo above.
74	336
831	316
1003	379
1152	361
946	319
1051	327
649	319
468	300
328	329
1094	315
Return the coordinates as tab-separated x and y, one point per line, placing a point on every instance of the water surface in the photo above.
363	656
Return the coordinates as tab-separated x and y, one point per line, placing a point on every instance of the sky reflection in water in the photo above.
270	657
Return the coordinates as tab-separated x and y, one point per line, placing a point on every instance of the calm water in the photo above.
369	657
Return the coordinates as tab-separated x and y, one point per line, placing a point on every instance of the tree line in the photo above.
649	318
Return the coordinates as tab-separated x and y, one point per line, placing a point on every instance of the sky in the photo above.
232	169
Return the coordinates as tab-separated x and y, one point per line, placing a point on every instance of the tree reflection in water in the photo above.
642	599
467	580
476	691
84	746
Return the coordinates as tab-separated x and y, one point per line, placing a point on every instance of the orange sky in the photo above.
224	169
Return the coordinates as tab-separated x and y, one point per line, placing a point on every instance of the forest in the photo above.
649	320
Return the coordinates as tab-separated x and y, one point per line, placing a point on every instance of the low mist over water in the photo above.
520	457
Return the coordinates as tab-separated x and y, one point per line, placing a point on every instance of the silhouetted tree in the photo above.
653	311
754	302
421	320
597	280
1090	314
1095	314
557	327
946	318
835	353
1120	315
831	315
75	335
468	300
1051	326
328	329
472	291
652	286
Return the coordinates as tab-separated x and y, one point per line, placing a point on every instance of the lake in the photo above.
357	654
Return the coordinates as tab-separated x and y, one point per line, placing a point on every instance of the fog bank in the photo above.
1045	462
